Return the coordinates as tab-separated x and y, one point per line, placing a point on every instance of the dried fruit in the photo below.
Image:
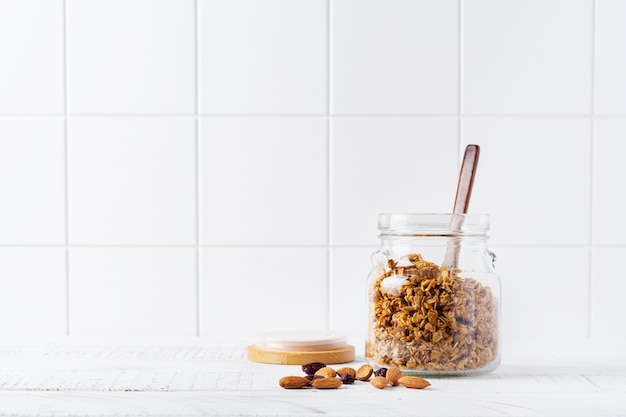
327	372
312	367
292	382
346	378
381	372
364	372
379	382
346	370
312	377
327	383
413	382
393	375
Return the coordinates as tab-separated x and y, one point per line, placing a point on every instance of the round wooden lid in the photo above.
297	348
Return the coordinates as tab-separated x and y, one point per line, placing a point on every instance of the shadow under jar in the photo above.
425	317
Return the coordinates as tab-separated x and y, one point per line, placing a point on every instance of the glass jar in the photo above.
433	296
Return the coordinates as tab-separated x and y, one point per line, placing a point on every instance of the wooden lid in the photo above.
297	348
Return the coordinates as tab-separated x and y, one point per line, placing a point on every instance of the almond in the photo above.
327	372
327	383
292	382
413	382
393	375
364	372
379	382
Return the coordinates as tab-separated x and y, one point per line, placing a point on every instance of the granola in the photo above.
427	318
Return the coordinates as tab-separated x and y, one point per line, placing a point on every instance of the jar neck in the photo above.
423	226
406	239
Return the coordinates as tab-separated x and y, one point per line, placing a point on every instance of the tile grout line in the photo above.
197	169
66	175
591	168
460	83
328	166
324	116
272	247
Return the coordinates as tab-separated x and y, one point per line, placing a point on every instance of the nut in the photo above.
393	375
379	382
346	371
364	372
413	382
327	372
327	383
292	382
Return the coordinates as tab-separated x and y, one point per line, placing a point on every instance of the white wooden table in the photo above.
199	377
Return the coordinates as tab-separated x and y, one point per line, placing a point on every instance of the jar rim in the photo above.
433	223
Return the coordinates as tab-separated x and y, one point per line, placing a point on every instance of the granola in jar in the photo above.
427	319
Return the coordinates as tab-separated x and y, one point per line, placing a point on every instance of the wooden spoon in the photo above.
461	203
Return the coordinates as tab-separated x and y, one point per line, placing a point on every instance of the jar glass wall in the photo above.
434	296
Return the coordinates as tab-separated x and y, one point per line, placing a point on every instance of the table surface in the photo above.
199	377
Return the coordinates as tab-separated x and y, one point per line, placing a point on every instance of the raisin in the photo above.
346	378
312	367
381	372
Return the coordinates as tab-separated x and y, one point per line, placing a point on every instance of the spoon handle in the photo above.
461	202
466	179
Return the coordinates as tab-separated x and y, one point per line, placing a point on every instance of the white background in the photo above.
215	167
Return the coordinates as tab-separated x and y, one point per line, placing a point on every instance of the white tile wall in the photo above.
272	56
249	196
539	283
607	289
130	56
609	171
175	167
535	170
33	300
527	56
132	181
394	57
132	292
349	268
31	73
244	291
32	180
381	165
610	62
